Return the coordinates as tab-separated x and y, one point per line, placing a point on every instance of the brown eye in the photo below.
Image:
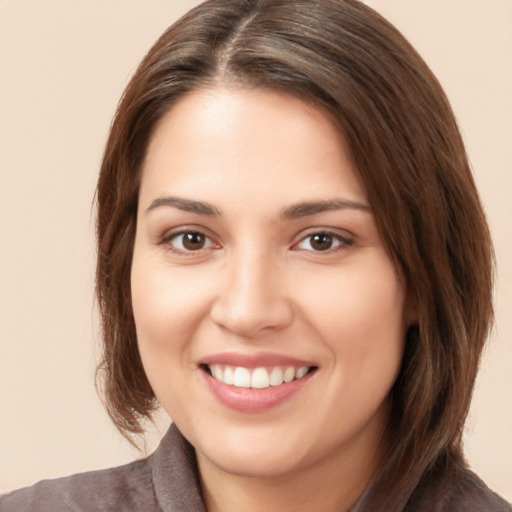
321	242
193	241
189	241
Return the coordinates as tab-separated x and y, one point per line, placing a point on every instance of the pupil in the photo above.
193	241
321	242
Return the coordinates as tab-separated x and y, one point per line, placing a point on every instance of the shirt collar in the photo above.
175	476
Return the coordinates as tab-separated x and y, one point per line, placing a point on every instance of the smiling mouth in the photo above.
256	378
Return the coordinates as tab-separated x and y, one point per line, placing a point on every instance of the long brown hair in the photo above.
345	58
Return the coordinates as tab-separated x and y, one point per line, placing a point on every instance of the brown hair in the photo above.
346	58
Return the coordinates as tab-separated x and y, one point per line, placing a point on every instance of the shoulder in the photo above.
128	487
458	491
471	493
165	481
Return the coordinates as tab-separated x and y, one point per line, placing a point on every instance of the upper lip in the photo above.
255	360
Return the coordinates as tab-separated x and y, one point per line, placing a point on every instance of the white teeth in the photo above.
299	373
216	371
289	374
276	376
228	375
259	378
241	378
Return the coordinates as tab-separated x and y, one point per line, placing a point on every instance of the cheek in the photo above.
360	314
168	308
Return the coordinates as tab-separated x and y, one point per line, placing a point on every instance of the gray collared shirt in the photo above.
167	481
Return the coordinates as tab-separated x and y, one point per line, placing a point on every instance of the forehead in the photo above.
244	142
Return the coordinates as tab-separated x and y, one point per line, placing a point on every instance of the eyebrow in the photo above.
311	208
186	205
294	211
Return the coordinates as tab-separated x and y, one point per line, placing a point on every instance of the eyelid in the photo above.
171	234
346	239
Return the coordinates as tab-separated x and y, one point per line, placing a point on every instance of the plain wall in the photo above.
63	67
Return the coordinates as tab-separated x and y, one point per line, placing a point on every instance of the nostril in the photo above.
248	319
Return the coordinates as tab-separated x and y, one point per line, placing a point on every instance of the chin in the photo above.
253	463
257	451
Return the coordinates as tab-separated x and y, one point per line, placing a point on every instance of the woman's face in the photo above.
269	316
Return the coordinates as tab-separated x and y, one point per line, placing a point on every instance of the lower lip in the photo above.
254	400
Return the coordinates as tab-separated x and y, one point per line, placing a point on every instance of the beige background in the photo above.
63	66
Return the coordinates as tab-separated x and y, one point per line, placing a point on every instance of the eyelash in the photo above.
168	241
341	242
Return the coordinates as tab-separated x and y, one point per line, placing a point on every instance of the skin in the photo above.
259	284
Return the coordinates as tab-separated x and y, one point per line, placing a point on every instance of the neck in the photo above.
334	485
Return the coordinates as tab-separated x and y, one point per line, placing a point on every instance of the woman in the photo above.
293	261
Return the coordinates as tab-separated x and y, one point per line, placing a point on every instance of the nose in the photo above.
252	299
